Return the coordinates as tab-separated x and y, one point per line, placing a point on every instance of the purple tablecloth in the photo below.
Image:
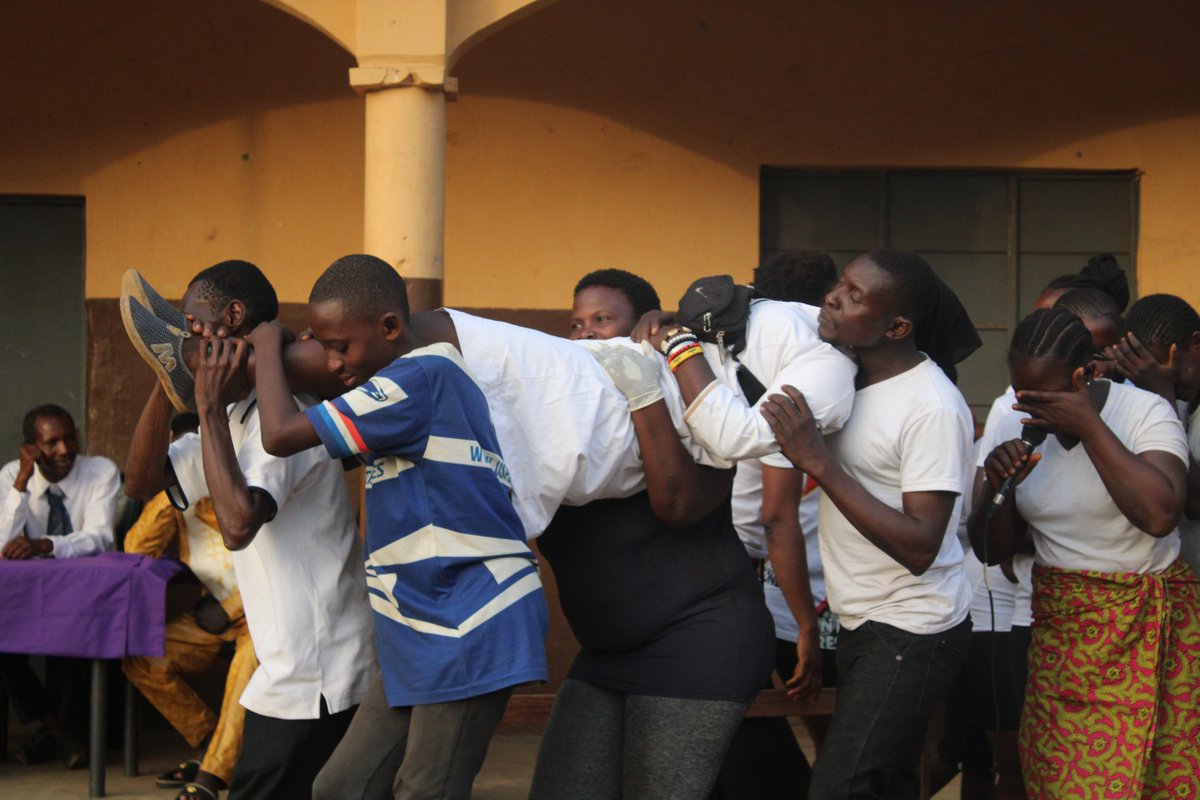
106	606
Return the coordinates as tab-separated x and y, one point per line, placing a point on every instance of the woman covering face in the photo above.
1101	500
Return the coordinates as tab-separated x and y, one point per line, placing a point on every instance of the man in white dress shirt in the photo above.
54	503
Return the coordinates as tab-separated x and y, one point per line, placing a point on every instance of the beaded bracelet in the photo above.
679	348
675	336
693	350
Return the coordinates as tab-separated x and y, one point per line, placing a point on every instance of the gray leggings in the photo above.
429	752
604	745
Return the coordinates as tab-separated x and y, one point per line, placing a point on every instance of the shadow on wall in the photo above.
133	73
831	82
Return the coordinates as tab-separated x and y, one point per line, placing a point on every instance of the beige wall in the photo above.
539	194
195	131
620	134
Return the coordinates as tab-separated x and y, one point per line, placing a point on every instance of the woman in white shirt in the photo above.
1115	654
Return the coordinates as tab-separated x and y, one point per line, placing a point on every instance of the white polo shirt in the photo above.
302	578
89	493
909	433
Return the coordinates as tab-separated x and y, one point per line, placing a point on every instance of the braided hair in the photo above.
1163	319
1102	272
1090	303
1052	333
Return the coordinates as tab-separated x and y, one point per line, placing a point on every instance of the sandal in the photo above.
179	777
194	791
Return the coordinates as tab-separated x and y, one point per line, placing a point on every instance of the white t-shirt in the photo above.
909	433
302	578
1074	522
782	347
1189	529
563	426
1013	602
89	493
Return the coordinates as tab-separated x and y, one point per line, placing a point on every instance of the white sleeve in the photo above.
1001	408
933	452
1158	428
725	426
722	423
277	477
14	505
187	463
94	529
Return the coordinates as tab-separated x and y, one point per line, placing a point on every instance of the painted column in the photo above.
405	162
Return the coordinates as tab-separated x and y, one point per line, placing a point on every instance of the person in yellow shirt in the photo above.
193	641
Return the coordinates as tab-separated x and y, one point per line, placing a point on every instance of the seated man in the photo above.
194	639
297	555
54	503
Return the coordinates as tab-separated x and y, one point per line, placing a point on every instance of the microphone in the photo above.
1031	437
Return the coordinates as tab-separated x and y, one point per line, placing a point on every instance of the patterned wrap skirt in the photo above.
1112	706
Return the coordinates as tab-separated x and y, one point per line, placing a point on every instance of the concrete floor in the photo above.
505	774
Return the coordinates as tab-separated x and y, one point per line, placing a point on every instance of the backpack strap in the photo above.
751	386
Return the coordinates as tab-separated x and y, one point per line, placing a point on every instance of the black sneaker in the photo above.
161	346
37	749
137	287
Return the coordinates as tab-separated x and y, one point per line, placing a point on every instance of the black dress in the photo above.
670	612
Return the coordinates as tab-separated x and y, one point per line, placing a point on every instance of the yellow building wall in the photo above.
198	131
539	194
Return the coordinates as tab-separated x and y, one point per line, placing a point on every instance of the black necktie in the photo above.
58	522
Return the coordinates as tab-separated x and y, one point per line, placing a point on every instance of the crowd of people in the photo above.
780	479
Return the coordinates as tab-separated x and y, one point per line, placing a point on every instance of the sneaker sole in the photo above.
134	285
161	370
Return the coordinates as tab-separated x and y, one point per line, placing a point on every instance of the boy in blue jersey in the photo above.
460	617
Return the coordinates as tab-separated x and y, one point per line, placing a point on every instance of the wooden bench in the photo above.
529	712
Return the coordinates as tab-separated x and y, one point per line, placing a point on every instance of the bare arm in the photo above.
1149	488
1006	533
782	491
240	512
681	493
912	536
146	472
285	429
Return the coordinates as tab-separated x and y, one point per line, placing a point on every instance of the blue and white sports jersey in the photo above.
458	603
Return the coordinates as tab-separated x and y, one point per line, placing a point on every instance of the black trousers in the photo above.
281	757
65	693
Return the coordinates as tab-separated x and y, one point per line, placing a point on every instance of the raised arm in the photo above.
146	471
285	429
1000	535
240	512
722	422
1150	488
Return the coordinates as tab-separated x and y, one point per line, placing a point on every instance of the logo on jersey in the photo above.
377	393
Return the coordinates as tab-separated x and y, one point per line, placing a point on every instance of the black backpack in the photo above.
717	310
